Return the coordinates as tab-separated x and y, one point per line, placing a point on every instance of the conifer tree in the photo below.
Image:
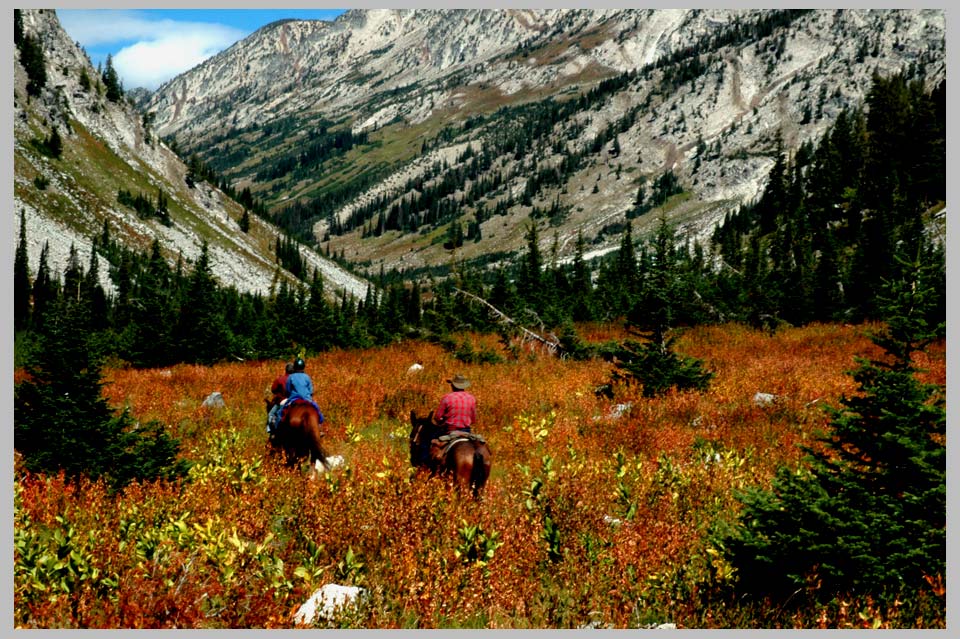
503	293
17	27
581	285
45	289
112	81
72	275
147	339
413	310
530	277
93	293
53	145
21	279
627	265
319	332
774	199
163	207
654	363
62	421
31	57
123	281
202	333
866	513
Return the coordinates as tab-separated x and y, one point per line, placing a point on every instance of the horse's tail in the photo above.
478	474
315	435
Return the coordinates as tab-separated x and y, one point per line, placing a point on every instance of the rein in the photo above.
416	435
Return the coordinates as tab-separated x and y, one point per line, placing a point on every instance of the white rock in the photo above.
214	400
326	602
764	399
618	410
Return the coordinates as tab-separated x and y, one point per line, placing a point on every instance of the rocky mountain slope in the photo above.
707	96
109	146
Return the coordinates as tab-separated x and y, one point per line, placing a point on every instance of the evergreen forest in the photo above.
816	247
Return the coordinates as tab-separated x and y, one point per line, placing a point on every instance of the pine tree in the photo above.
84	79
656	304
123	281
319	332
774	199
45	289
866	513
581	285
112	81
202	333
627	265
31	57
54	144
163	207
654	363
413	312
62	421
530	277
147	340
17	27
21	279
72	275
94	295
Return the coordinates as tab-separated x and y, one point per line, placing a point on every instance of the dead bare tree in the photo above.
552	345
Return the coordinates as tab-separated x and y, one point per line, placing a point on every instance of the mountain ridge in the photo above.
747	79
109	146
400	105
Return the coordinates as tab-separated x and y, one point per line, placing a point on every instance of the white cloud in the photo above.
161	49
93	28
149	63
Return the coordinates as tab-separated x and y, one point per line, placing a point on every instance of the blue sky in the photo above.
150	46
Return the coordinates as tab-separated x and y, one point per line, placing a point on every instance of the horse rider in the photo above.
299	387
456	413
279	390
457	410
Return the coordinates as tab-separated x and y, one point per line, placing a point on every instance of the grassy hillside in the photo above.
591	518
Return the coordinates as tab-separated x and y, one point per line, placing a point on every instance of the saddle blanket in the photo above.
461	434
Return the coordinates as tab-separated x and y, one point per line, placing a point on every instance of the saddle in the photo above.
440	446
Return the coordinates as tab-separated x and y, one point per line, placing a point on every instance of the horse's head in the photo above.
420	427
421	430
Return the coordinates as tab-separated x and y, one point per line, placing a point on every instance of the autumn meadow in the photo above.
599	512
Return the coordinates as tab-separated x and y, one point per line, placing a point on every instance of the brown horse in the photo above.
467	461
298	435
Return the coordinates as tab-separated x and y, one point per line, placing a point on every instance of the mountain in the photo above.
109	148
390	137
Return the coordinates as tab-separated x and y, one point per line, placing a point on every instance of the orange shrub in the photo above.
597	510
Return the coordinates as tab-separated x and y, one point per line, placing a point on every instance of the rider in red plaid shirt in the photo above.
458	408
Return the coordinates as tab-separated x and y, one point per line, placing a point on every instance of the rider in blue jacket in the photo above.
300	386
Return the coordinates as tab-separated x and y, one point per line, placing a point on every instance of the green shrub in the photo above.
658	368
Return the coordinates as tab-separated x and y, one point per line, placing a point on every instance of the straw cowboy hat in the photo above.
459	382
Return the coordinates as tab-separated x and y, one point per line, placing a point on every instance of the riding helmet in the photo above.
299	364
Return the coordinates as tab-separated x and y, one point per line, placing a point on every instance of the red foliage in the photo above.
245	540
